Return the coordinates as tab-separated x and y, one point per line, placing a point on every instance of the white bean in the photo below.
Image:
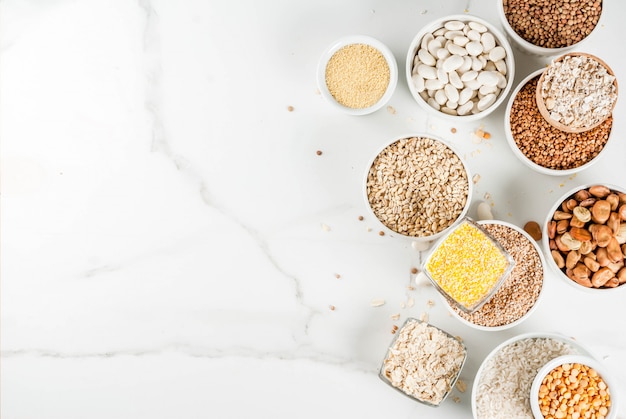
485	90
474	48
425	57
442	75
501	66
465	108
454	25
447	110
483	211
439	32
452	34
442	53
488	78
497	54
502	82
469	75
486	102
433	46
440	97
467	64
477	65
426	39
472	84
460	40
427	71
473	35
433	103
477	27
456	50
418	82
434	84
452	63
455	80
451	105
488	41
465	95
451	93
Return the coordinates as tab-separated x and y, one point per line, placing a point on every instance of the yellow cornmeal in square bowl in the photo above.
468	265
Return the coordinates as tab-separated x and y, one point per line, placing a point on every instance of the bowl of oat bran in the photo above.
423	362
417	187
577	92
542	147
549	27
519	295
502	384
357	74
460	68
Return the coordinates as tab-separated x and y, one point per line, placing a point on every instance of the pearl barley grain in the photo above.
357	76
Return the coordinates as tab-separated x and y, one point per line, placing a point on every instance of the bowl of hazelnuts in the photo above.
584	237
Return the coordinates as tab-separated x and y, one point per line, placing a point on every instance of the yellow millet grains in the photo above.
467	265
357	76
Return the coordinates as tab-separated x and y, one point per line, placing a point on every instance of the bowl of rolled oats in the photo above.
417	187
577	92
423	362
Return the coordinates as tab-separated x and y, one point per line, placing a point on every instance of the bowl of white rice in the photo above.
502	384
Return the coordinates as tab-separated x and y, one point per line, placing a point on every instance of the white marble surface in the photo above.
162	245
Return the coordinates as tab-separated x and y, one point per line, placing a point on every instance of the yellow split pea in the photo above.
357	76
467	265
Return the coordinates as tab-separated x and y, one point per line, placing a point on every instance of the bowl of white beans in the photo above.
460	67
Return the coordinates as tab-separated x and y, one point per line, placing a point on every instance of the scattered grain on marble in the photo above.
360	218
520	291
377	302
357	76
417	186
290	108
381	233
547	146
423	362
318	152
414	271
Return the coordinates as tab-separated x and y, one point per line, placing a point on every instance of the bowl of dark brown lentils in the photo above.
417	186
549	27
584	237
519	295
543	147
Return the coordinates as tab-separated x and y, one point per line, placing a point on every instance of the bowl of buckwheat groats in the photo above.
423	362
417	187
357	74
574	386
543	147
584	237
459	67
518	296
549	27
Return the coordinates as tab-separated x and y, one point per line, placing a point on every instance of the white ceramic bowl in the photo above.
545	240
500	40
602	371
533	308
522	157
528	47
580	349
422	239
350	40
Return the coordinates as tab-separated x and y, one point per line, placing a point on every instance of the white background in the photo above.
162	245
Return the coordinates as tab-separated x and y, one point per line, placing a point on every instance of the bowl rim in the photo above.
529	47
602	370
382	376
339	43
496	285
581	348
522	157
391	232
545	241
532	309
433	26
541	105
